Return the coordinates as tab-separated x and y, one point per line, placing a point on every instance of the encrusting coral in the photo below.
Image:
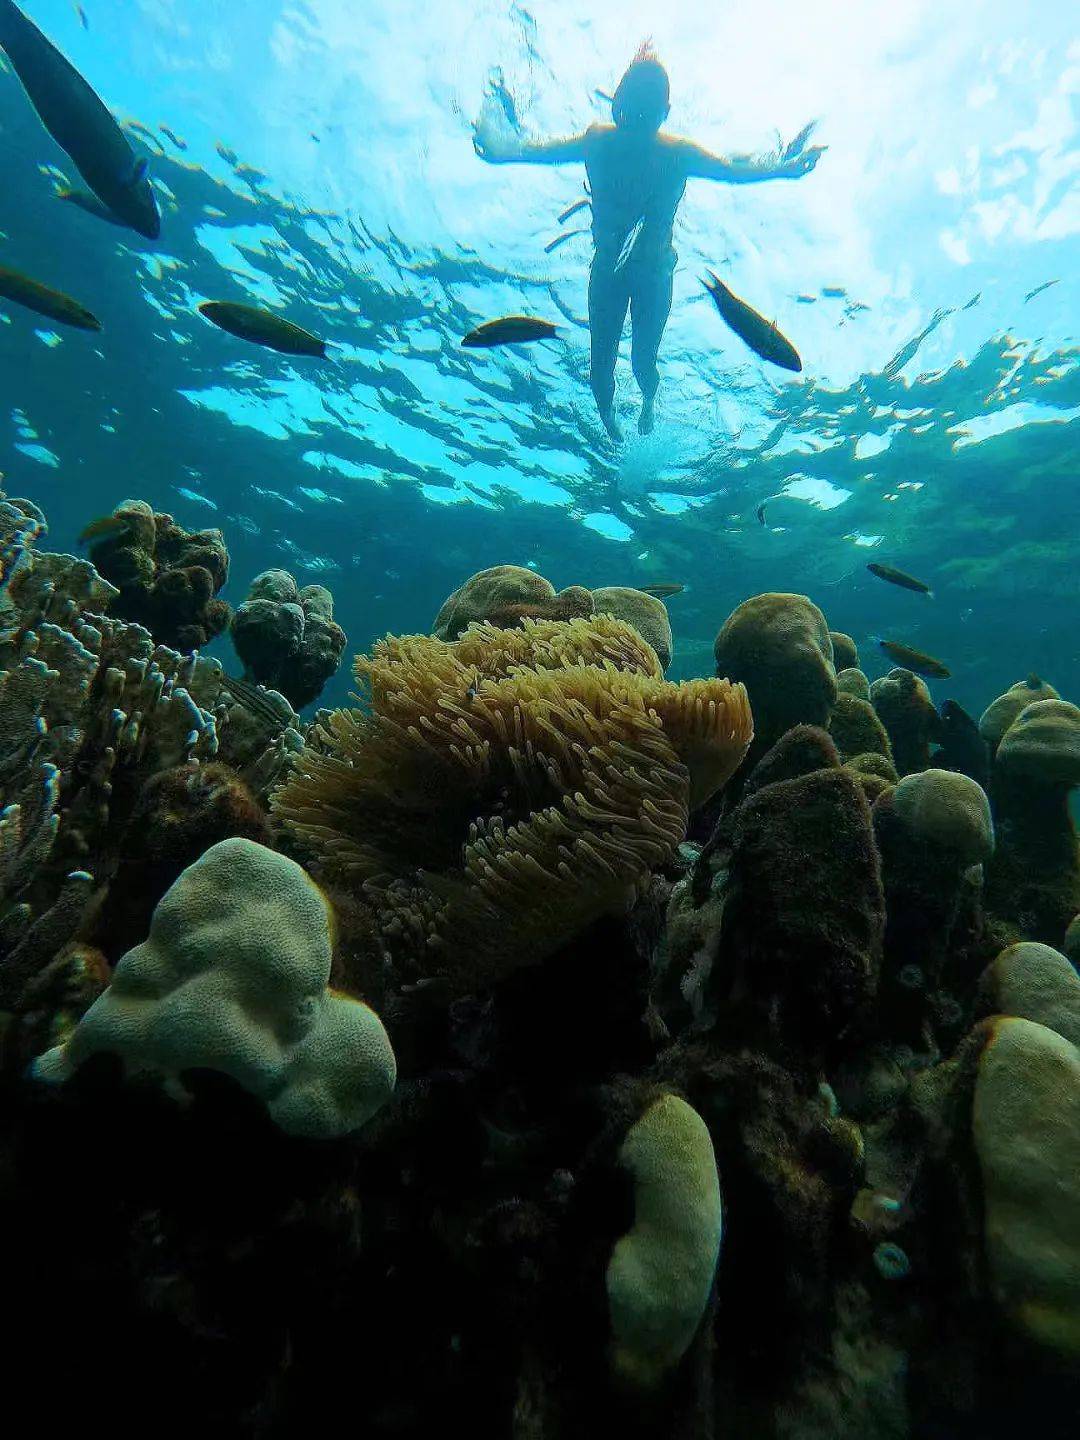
286	636
562	766
167	577
233	978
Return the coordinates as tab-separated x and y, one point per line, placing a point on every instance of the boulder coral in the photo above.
504	595
845	651
168	577
286	637
645	613
1026	1126
233	978
501	792
779	647
660	1275
856	729
1035	879
1000	714
1033	982
905	708
853	682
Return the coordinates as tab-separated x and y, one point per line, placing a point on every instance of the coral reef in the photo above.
837	999
167	577
286	638
845	651
233	978
998	716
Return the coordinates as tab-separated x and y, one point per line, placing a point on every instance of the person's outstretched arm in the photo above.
788	163
499	148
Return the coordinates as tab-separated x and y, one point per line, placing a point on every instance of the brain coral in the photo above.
645	613
501	792
504	595
233	977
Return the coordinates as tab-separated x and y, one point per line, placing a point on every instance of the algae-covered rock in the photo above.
645	613
905	708
661	1271
1026	1125
856	729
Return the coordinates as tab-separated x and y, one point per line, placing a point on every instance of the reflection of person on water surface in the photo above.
637	175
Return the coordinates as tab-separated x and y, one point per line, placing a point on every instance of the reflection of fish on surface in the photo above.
79	122
508	330
45	301
563	238
1039	289
760	334
172	135
583	205
900	577
917	660
260	327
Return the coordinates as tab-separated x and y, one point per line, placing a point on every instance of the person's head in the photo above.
643	96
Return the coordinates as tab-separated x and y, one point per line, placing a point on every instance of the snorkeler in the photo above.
637	175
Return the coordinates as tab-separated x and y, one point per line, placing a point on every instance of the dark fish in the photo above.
662	591
562	239
53	303
757	332
583	205
79	122
172	135
760	512
92	205
916	660
508	330
962	747
256	698
249	322
106	527
899	577
1039	289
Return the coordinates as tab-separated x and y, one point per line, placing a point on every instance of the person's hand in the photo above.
494	144
794	157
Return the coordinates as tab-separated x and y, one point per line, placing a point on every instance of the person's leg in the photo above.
650	307
608	301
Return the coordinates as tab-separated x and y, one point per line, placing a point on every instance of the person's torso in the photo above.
632	179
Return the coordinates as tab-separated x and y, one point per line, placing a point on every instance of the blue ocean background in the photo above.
316	156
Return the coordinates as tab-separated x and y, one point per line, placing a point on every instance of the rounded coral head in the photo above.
779	647
643	97
949	811
1043	744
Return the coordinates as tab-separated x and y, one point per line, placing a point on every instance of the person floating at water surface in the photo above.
637	176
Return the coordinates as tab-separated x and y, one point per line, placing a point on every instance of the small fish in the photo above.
256	698
508	330
562	239
584	205
105	527
899	577
628	245
172	135
250	322
662	592
44	301
92	205
834	292
1039	289
917	660
760	513
757	332
83	21
603	95
80	123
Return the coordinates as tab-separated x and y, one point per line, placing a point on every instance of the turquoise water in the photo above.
320	161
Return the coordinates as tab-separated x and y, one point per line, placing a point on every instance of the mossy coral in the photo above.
501	792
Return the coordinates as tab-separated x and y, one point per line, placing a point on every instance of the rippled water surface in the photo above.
317	157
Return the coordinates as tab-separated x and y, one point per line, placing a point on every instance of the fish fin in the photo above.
140	170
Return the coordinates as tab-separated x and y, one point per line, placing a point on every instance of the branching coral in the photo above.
503	792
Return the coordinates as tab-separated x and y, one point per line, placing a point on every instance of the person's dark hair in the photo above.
643	95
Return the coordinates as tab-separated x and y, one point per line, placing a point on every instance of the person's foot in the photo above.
611	425
647	418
